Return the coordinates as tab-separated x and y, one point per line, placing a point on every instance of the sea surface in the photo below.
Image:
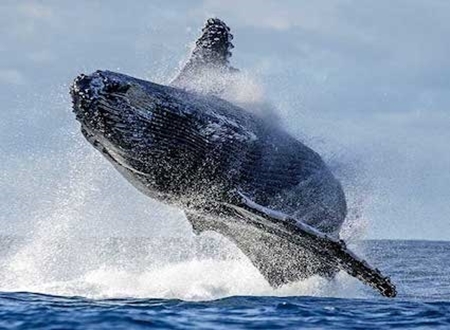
419	268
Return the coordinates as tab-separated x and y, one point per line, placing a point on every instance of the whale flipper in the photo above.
328	254
208	65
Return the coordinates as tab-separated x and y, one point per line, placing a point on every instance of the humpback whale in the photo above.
231	171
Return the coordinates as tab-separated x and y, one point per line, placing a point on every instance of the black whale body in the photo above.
229	170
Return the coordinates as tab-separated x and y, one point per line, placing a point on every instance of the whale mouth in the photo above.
109	154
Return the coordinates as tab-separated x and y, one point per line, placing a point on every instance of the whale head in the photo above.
157	136
137	125
113	118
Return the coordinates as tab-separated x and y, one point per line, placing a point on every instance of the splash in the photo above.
83	242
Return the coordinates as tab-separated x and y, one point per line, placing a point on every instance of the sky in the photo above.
365	83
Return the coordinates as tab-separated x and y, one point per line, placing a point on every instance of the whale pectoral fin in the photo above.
210	57
325	249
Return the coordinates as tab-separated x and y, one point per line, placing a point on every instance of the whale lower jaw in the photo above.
112	156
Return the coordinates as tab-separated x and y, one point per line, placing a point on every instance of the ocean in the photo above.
364	84
419	268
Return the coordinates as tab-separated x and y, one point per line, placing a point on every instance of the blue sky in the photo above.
366	83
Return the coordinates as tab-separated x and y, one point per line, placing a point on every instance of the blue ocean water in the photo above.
419	268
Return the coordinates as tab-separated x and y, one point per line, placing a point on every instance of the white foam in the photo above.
188	280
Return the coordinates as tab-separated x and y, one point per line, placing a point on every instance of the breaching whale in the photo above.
230	170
